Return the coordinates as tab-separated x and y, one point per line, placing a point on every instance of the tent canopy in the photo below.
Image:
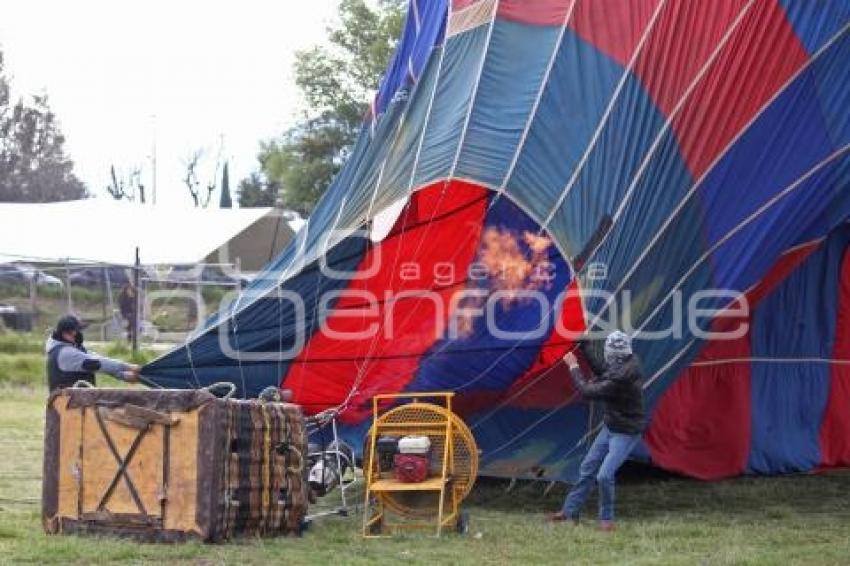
108	231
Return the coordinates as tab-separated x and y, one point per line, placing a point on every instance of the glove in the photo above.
571	360
131	374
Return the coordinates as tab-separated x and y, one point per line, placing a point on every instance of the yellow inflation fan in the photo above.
434	502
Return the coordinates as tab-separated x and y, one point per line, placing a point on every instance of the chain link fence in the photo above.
161	303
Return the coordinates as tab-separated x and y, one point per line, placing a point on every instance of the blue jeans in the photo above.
606	455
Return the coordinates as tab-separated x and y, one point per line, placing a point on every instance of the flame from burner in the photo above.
514	264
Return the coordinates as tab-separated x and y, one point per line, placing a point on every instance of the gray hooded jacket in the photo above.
72	362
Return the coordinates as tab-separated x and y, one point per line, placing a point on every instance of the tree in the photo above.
256	192
33	164
336	82
225	201
120	188
201	193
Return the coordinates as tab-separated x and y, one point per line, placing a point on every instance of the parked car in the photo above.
14	319
11	275
205	274
22	274
96	276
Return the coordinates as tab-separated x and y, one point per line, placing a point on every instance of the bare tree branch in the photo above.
201	193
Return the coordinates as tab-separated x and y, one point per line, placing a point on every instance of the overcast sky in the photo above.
204	69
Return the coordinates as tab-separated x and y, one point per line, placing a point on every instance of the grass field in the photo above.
785	520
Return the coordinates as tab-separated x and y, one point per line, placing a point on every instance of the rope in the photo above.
362	371
698	183
192	362
645	35
239	359
545	223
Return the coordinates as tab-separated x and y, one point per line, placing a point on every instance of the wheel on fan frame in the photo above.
462	526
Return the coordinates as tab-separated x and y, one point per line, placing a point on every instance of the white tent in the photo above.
108	231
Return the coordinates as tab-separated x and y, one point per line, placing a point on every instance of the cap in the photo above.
68	323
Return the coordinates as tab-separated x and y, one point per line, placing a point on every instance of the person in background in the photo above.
617	384
127	307
68	361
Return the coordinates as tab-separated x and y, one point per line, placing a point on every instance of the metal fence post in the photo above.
68	285
34	299
103	284
136	274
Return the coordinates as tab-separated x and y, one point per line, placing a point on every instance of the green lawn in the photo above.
799	519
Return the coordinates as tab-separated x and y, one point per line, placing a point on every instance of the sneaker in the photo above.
559	517
606	526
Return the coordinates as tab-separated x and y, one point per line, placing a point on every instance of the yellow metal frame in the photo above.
374	512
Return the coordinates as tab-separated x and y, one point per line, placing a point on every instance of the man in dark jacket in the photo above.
127	307
68	361
617	384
